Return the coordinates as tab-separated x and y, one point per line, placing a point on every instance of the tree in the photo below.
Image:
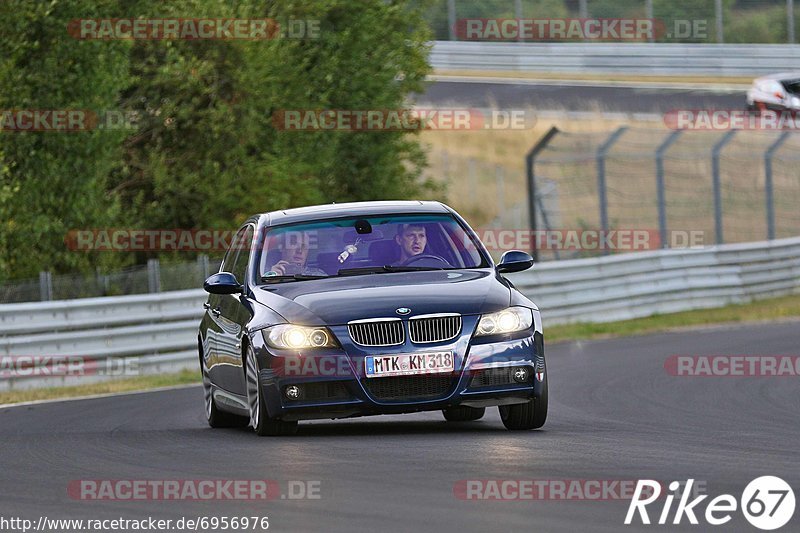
55	181
202	151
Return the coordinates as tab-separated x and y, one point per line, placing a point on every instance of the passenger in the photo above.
294	256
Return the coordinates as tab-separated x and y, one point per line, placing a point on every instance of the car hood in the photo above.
336	301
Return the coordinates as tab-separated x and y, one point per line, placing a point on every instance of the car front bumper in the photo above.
332	385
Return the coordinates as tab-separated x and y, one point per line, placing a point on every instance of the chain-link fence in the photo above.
666	183
153	277
697	21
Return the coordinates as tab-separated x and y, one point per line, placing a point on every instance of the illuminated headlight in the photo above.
291	337
505	321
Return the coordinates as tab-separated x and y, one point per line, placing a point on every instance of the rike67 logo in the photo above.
767	503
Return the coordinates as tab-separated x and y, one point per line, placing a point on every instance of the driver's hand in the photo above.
280	267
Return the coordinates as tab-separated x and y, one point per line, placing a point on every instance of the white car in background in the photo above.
777	92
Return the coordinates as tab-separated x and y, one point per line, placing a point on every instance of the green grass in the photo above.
762	310
123	385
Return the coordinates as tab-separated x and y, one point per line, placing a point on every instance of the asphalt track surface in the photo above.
615	414
578	98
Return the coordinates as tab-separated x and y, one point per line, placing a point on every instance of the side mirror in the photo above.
514	261
222	283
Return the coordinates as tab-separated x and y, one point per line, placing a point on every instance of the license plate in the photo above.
405	364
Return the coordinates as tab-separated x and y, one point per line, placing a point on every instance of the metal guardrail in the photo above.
153	333
617	58
620	287
158	331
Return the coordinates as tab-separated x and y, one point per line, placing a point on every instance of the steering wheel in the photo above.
430	258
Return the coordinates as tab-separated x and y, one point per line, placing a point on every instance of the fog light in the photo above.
521	374
292	392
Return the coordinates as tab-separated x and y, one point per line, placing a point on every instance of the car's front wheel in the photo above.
529	415
259	420
463	413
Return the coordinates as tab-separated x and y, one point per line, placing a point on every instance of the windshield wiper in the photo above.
293	277
382	269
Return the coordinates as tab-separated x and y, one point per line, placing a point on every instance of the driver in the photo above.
294	256
411	239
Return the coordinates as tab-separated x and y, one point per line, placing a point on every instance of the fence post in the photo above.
583	9
600	157
473	181
102	282
718	184
660	192
202	262
45	286
451	19
500	182
648	14
718	19
583	12
790	20
153	275
768	189
530	160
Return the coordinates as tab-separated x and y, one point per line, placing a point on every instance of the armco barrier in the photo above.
158	331
619	287
672	59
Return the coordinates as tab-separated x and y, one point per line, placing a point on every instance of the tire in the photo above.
261	423
463	413
529	415
215	417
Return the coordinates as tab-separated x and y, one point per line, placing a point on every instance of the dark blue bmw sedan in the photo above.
369	308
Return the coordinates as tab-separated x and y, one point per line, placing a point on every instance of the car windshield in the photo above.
793	86
366	245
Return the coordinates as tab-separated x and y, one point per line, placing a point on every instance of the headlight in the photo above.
505	321
291	337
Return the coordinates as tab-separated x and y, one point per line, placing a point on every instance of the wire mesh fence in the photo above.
657	181
663	183
695	21
153	277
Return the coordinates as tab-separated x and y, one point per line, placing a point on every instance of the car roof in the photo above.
316	212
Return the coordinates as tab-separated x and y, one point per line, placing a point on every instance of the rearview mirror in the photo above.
514	261
222	283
